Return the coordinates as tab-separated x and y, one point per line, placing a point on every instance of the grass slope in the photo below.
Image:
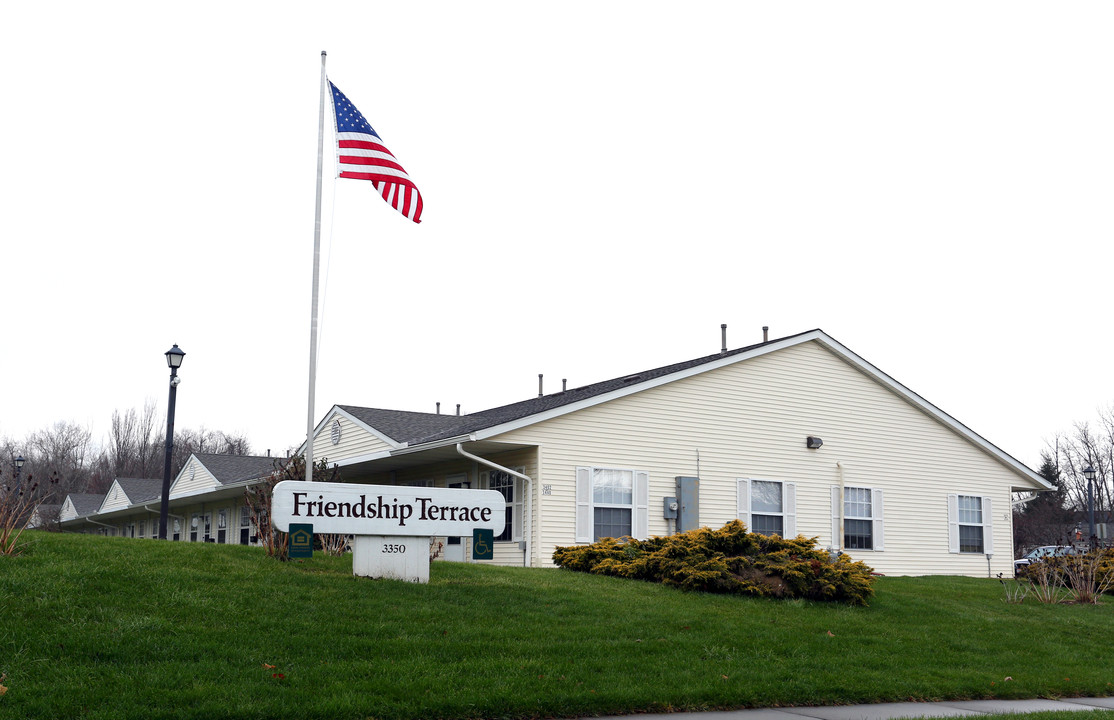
113	628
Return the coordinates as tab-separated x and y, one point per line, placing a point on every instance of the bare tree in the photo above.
1088	446
134	443
59	454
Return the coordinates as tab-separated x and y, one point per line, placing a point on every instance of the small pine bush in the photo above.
728	560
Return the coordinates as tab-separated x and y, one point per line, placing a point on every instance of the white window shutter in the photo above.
743	501
790	508
584	505
640	522
879	523
837	536
987	527
516	512
953	523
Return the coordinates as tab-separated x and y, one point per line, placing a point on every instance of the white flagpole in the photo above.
316	274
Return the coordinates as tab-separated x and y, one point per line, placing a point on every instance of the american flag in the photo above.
363	156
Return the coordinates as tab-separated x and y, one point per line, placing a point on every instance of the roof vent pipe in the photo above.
458	408
723	337
438	408
765	333
564	384
539	384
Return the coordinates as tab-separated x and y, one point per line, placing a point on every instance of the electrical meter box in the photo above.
688	501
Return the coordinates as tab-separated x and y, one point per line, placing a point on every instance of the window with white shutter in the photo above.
768	507
611	502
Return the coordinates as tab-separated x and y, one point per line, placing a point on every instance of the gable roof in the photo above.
410	429
140	490
85	503
229	469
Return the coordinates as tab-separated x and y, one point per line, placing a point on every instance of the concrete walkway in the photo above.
890	711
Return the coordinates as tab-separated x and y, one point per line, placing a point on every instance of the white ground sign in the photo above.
351	509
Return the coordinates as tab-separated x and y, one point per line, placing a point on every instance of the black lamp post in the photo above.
1089	473
18	468
174	360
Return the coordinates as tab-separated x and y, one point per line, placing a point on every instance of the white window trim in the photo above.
585	508
987	524
519	492
877	517
788	512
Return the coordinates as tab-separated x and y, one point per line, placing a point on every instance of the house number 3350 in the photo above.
388	548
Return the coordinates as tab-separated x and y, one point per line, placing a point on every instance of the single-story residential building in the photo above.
797	435
206	502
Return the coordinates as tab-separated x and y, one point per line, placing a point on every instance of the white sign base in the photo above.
393	557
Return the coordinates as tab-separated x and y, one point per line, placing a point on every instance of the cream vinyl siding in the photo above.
116	499
355	441
68	511
750	419
194	478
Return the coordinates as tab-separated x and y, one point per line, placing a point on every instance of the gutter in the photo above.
89	519
528	510
168	514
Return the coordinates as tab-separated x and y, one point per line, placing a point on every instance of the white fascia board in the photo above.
239	484
361	458
333	412
928	408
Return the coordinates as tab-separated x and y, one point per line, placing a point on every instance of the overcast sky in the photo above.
605	183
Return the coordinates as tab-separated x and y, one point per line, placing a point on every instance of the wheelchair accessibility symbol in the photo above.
483	544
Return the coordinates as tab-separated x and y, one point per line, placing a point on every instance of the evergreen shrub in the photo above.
727	560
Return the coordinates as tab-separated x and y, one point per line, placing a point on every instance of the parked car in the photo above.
1040	553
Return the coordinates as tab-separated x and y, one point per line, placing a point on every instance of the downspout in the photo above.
528	510
838	542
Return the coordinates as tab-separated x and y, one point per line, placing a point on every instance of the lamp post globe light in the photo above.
1089	473
174	361
18	468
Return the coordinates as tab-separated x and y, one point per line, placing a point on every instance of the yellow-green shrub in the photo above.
727	560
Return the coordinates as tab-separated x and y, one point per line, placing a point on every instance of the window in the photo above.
193	528
768	507
611	502
511	489
245	524
969	527
860	515
222	526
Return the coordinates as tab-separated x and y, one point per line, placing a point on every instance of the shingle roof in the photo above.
228	469
414	428
86	503
140	490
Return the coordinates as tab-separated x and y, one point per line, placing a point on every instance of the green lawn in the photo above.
113	628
